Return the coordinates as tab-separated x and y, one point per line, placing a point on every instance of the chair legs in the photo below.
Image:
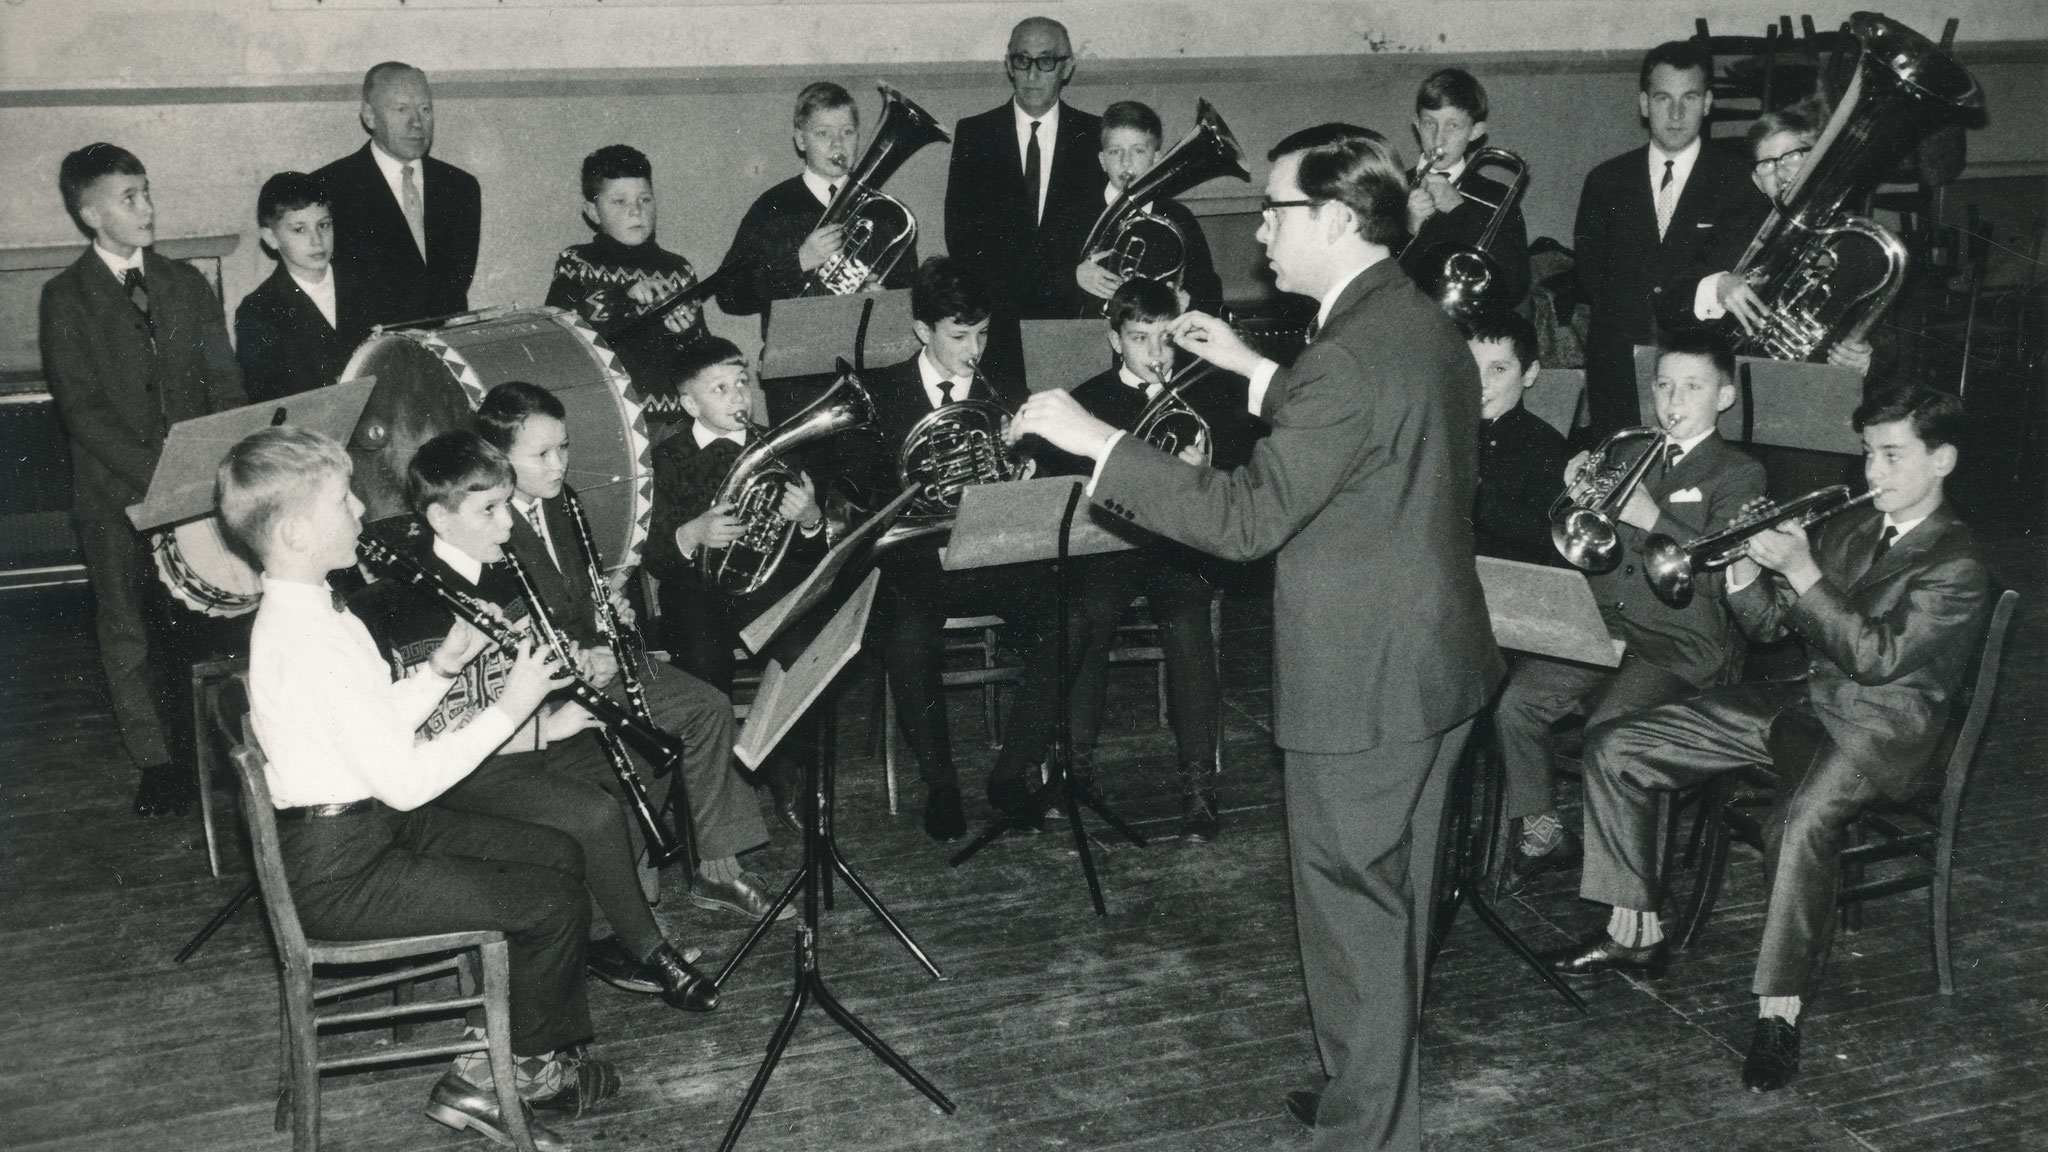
1937	910
1712	832
498	1024
305	1063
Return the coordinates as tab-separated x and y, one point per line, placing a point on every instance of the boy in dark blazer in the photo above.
1890	600
1521	457
132	343
405	224
1131	139
296	331
1701	484
1450	119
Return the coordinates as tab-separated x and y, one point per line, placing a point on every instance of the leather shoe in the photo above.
1773	1055
1522	867
608	961
585	1084
1013	801
747	896
944	818
1303	1106
1198	818
460	1104
786	788
165	789
1603	954
682	985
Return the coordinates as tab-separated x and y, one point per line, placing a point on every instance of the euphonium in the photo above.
1824	276
1582	517
1145	243
1170	423
1670	565
879	227
754	487
1463	278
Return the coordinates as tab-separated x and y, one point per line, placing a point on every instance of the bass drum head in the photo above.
415	400
196	564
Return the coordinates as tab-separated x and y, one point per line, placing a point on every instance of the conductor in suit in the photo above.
1023	190
1383	653
405	224
1648	217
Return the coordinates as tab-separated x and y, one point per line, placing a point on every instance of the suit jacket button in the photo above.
1629	570
1621	605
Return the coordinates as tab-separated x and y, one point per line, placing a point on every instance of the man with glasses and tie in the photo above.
1382	649
1647	217
405	224
1024	188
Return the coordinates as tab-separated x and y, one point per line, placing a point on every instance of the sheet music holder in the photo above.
1018	521
1063	353
1556	397
808	335
181	488
1548	611
785	694
1801	405
818	585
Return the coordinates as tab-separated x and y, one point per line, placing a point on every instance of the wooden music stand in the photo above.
1063	353
818	585
809	335
181	488
1556	397
1805	406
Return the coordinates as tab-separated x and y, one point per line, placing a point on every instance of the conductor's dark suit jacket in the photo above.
1028	266
1365	486
1890	640
372	241
1625	270
285	345
120	382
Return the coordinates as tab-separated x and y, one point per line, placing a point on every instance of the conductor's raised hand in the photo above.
534	674
1213	340
1061	421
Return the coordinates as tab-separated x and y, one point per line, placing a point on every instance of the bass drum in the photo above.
428	382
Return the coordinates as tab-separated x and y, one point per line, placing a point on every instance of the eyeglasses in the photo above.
1267	207
1050	62
1778	161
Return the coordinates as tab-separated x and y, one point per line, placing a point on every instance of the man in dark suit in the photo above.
1383	652
1131	139
405	224
296	331
1890	601
1023	190
132	343
1645	218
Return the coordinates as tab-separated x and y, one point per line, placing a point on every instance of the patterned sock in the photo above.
538	1076
1785	1008
1632	929
475	1067
1541	833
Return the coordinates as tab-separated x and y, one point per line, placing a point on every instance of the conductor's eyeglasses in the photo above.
1050	62
1268	207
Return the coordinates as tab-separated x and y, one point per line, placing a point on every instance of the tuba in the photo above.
1670	565
1463	278
879	228
759	476
1145	243
1825	276
1582	523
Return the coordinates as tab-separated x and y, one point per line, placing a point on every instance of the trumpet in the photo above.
1670	565
1582	518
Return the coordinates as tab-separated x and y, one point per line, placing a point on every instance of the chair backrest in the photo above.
1972	700
1555	397
261	818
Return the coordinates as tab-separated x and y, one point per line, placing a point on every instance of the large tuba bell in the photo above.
879	228
1583	515
1464	278
1824	276
1144	243
753	488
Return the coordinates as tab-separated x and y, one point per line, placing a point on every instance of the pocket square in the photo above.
1703	223
1685	496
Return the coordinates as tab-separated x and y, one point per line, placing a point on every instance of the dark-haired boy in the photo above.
1521	457
296	330
368	855
1450	124
132	343
1131	140
623	269
1672	653
1890	599
528	424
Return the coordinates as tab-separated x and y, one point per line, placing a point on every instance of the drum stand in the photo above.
226	913
821	860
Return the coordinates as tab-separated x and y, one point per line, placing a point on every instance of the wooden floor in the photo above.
1175	1023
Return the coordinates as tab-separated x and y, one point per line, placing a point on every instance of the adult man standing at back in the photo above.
1647	220
405	224
1024	188
1382	650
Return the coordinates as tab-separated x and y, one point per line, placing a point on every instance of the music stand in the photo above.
1029	520
784	697
1063	353
809	335
1551	612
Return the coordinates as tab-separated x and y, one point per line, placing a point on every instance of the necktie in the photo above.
831	194
1671	454
1884	544
945	392
415	208
535	517
1031	170
1667	201
138	294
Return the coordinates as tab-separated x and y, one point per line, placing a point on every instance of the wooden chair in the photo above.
220	697
1922	827
298	1101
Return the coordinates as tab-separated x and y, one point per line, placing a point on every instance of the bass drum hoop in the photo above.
185	556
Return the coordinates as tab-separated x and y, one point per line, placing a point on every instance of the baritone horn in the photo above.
1583	515
1144	243
753	489
1670	565
879	229
1464	278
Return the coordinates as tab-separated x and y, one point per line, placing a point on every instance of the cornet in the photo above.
1583	515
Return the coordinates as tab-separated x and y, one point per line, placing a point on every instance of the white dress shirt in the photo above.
821	188
1151	390
321	291
704	436
116	264
394	177
1048	131
334	726
929	371
1681	171
1686	446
